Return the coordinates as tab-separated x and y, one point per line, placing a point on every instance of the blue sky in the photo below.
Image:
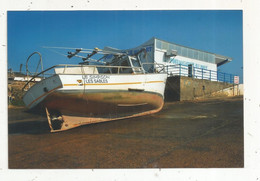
218	32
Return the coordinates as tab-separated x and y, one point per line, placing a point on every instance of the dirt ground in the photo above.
192	134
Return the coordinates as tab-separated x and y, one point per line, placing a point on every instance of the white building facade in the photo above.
180	60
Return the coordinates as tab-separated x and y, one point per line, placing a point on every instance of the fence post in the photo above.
210	75
202	73
180	70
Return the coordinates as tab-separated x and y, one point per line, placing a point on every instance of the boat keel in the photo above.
62	122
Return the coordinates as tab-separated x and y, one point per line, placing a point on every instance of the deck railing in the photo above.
102	69
199	73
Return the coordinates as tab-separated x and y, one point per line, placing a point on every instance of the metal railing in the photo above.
102	69
199	73
153	68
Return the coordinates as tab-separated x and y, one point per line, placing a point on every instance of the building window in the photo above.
165	45
191	53
184	52
205	58
171	47
178	48
200	55
211	58
196	54
158	44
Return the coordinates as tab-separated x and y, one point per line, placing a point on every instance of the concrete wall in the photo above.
236	90
172	89
186	88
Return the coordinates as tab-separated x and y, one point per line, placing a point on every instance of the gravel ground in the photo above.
192	134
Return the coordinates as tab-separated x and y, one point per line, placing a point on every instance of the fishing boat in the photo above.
88	93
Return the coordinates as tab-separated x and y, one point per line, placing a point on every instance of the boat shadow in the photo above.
29	127
22	121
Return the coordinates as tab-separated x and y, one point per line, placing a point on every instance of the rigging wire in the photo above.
66	48
58	52
85	50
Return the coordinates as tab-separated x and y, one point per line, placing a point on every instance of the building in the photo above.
181	60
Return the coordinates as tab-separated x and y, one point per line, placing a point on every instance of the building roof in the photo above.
217	59
181	50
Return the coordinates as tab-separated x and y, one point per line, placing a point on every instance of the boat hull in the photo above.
74	100
77	109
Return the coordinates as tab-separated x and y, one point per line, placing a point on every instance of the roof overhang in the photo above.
221	60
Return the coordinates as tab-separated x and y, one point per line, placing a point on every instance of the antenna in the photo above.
21	66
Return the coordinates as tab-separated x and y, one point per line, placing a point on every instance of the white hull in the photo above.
78	99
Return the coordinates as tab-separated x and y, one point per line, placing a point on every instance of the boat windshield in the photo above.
135	62
125	62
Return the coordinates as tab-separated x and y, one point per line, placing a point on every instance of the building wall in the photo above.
186	88
198	66
236	90
159	51
194	88
185	51
161	58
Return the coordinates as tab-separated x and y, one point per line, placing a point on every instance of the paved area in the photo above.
198	134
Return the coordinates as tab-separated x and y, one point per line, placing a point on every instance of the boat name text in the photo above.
95	78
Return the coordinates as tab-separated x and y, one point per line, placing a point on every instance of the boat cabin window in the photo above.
125	62
129	65
135	62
